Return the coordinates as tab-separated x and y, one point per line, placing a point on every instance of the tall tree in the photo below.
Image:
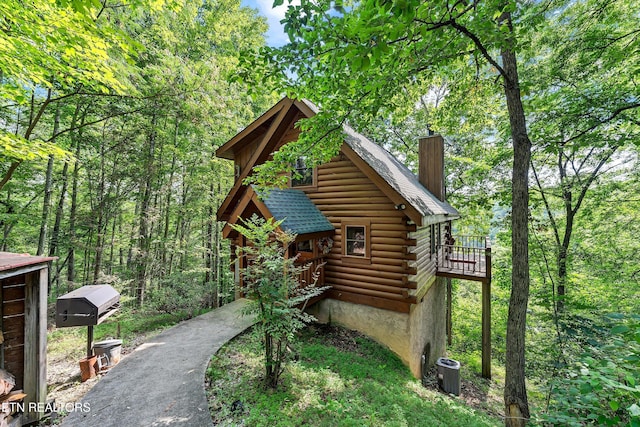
585	110
65	48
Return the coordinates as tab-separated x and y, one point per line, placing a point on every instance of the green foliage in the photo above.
150	136
271	282
340	378
603	386
181	291
16	148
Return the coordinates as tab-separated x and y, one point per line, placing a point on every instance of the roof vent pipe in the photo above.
431	165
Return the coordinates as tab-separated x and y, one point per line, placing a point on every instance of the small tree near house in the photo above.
277	297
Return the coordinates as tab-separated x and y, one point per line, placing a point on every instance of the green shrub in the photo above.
181	291
603	386
272	284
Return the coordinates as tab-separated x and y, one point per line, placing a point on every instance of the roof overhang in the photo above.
289	212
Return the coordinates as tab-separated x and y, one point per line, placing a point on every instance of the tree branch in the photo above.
606	120
592	177
464	30
94	122
7	176
547	207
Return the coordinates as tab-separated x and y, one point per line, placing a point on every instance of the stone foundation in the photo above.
409	335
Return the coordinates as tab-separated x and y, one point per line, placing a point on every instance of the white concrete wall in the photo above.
406	334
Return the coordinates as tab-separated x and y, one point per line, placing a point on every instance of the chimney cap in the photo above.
430	135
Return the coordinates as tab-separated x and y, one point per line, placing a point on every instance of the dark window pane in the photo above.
355	241
305	246
302	175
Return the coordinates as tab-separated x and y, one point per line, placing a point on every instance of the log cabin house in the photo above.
383	233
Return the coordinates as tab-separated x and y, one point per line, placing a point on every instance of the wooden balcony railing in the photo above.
469	257
316	267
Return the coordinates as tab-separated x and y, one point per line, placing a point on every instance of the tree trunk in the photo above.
145	238
112	245
71	266
101	214
7	226
46	205
210	245
167	204
515	392
55	233
46	208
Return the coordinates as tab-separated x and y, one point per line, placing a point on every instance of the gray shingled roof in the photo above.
397	175
300	215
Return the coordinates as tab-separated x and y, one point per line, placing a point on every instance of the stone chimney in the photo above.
431	164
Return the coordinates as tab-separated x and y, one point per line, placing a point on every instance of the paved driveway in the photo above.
161	383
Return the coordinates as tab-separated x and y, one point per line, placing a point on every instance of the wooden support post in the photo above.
35	342
486	329
449	312
486	315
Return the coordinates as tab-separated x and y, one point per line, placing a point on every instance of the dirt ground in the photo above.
64	385
63	378
64	382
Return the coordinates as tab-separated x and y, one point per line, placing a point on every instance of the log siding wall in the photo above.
346	195
425	263
12	299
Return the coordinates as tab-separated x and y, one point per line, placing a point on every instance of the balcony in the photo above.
468	258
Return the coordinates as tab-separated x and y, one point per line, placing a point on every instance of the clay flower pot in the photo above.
88	368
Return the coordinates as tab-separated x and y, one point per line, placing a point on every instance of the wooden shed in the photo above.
23	317
385	238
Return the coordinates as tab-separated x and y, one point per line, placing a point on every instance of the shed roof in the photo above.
396	174
11	261
299	213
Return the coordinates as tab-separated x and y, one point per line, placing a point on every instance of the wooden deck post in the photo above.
449	315
486	319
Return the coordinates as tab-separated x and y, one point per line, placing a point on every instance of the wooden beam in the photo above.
237	212
20	270
486	318
304	108
223	151
475	277
262	152
486	329
449	312
35	342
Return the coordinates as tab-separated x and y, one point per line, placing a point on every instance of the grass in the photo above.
339	378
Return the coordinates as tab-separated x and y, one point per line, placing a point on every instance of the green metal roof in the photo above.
299	213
